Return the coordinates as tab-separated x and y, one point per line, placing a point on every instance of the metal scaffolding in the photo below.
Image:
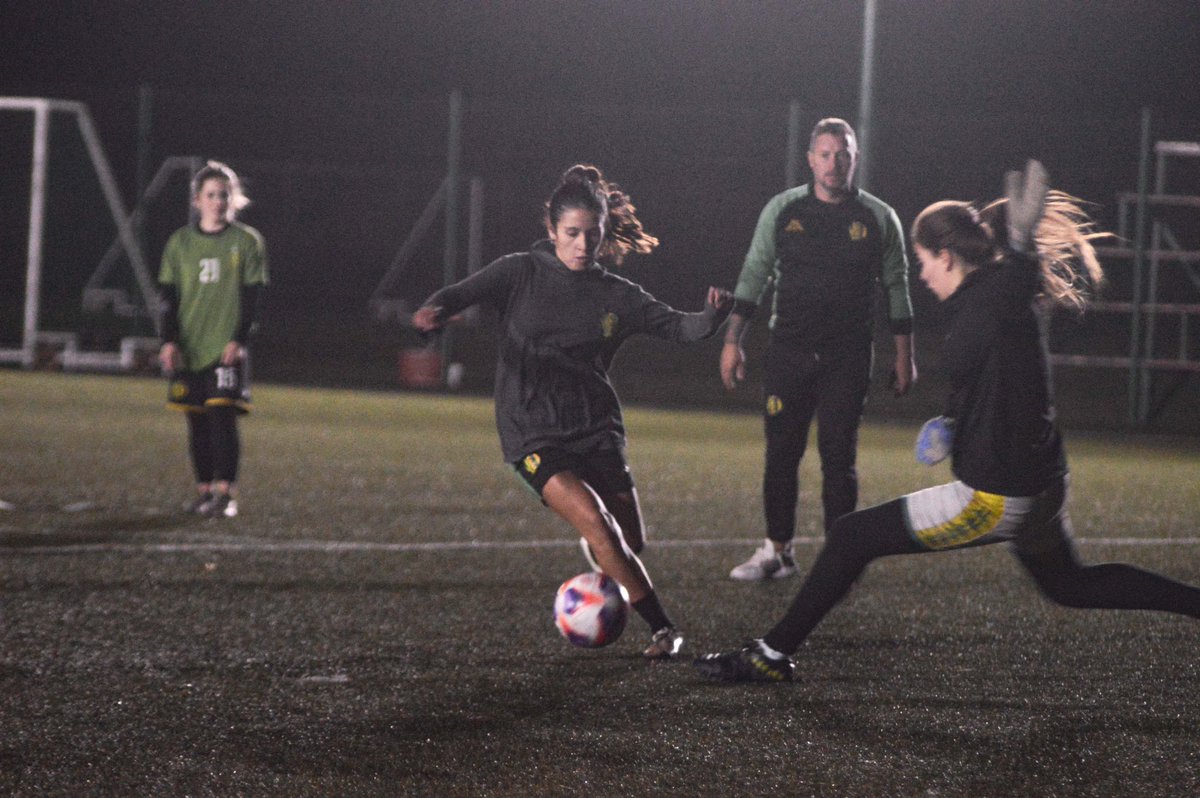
1149	247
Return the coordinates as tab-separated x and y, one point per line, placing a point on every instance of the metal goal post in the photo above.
42	108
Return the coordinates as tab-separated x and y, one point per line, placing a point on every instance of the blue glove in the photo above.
934	440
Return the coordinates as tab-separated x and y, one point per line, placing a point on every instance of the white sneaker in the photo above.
766	563
222	506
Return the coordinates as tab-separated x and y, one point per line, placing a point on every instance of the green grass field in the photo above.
378	619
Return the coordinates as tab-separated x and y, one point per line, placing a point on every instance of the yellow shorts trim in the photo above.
967	523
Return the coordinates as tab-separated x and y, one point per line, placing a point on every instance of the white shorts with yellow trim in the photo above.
956	515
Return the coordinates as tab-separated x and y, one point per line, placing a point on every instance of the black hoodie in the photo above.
560	331
1005	438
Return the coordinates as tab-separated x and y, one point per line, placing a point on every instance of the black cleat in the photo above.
747	664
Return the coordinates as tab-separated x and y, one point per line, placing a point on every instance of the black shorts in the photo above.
605	470
217	386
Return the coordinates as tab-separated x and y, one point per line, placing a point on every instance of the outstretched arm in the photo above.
695	326
428	318
663	321
490	284
1026	194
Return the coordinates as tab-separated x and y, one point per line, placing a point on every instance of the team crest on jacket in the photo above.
608	324
794	226
774	405
178	390
858	231
531	463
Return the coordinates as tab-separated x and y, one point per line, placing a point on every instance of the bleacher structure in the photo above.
1160	340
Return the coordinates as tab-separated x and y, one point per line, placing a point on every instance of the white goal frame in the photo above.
42	108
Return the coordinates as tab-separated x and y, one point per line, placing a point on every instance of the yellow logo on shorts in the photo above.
858	231
794	226
774	405
531	462
608	324
178	390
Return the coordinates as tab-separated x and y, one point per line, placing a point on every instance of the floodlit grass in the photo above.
311	647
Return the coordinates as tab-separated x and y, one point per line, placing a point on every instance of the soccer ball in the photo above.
591	610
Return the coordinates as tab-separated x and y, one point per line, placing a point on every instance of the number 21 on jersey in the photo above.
210	270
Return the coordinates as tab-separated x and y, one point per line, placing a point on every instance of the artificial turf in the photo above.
377	620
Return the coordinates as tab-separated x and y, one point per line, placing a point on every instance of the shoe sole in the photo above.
717	674
782	573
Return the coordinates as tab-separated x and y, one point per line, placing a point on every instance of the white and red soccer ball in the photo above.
591	610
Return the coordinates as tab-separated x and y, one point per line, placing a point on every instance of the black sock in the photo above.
652	612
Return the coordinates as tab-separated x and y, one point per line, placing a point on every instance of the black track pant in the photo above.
800	384
214	445
1042	544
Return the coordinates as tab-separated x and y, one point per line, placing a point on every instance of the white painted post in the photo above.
37	222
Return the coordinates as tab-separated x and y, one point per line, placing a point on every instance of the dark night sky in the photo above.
683	102
1025	53
963	59
956	81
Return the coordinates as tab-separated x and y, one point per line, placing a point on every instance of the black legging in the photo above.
214	445
857	539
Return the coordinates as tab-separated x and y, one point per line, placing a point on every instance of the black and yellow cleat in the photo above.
747	664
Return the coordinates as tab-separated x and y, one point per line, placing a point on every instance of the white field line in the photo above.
335	546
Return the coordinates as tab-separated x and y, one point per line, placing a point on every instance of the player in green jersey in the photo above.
212	278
